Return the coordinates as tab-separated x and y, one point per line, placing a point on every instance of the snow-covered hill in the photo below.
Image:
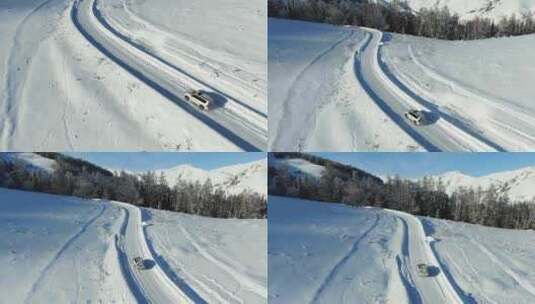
518	184
298	166
32	161
468	9
330	253
233	179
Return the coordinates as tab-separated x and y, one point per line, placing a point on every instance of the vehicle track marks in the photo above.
334	271
44	272
288	112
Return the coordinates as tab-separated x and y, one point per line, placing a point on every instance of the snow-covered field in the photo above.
330	253
63	249
233	179
316	101
489	265
59	249
72	82
219	260
483	86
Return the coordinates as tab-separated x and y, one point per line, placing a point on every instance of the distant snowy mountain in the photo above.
494	9
233	179
32	160
518	184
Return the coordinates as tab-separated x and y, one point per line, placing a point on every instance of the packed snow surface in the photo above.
331	253
316	100
518	184
76	78
489	265
484	87
214	260
233	179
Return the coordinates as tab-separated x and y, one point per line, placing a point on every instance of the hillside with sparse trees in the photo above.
396	17
74	177
426	197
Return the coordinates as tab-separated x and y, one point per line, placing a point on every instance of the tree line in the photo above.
426	197
145	190
396	17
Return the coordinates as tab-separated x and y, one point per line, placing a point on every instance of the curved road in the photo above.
440	134
149	69
435	288
150	285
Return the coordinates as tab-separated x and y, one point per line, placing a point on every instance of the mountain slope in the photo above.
517	183
233	179
494	9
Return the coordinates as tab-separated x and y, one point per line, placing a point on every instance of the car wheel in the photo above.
187	98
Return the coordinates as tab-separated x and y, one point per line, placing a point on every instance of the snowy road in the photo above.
441	133
415	250
239	124
150	285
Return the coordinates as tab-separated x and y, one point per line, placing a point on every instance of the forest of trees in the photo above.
396	17
427	197
146	190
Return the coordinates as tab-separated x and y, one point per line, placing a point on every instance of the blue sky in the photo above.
144	161
413	165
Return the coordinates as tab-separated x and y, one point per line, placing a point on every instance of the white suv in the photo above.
423	270
415	116
199	98
138	262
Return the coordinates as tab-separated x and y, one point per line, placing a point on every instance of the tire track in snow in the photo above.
44	272
288	115
334	271
443	283
404	265
13	81
133	284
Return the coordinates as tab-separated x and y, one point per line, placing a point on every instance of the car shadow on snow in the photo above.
387	37
429	118
219	100
148	264
433	271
